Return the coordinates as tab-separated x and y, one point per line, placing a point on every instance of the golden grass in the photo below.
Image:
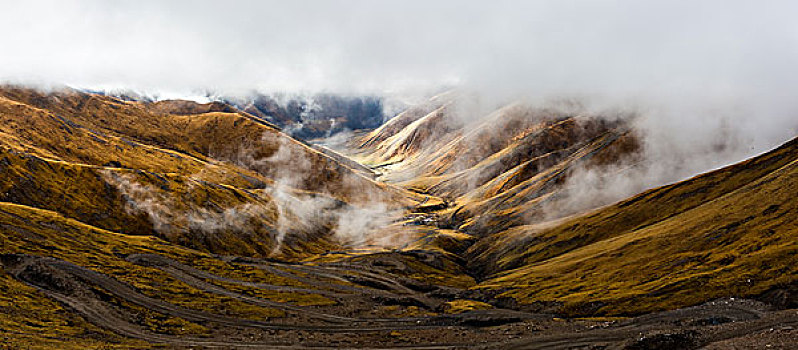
731	232
30	320
459	306
44	233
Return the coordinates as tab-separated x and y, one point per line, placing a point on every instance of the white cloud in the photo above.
508	46
682	61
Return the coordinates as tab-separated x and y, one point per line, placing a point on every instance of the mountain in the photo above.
168	168
313	116
496	172
502	176
303	116
730	232
128	223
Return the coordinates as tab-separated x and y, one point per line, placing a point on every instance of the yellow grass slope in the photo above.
33	320
731	232
495	172
175	169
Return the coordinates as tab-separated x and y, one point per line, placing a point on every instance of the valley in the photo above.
135	224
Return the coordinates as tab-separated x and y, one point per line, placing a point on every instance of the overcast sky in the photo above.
504	46
731	58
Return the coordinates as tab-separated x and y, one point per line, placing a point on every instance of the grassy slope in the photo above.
728	232
497	172
221	147
731	232
85	193
719	234
57	150
60	154
515	197
35	321
402	120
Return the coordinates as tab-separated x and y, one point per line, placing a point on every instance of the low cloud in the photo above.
171	216
292	213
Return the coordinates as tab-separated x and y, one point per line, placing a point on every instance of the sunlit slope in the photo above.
506	178
81	139
377	137
192	212
447	153
231	148
497	172
730	232
205	176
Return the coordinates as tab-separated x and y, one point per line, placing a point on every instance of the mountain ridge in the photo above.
192	225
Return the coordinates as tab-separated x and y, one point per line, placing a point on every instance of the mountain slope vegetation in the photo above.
127	166
135	224
730	232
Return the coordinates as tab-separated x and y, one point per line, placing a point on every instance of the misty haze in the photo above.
398	174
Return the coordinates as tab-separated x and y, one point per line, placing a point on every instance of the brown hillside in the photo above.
730	232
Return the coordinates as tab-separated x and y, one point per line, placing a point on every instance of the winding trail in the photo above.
194	278
76	287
